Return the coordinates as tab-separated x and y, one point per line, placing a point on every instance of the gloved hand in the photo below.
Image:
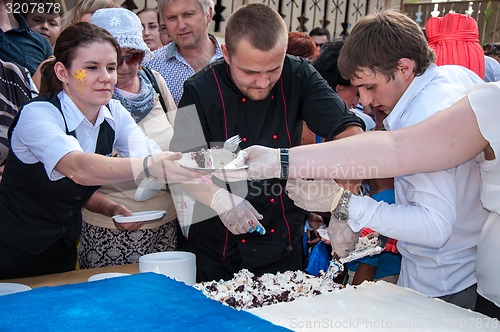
236	213
263	163
342	238
314	195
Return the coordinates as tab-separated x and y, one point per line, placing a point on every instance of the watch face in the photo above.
340	215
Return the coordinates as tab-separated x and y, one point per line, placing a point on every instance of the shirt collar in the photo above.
74	117
417	85
171	50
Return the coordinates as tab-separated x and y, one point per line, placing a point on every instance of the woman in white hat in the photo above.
103	241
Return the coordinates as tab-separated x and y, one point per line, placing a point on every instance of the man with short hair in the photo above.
320	36
438	216
192	47
260	93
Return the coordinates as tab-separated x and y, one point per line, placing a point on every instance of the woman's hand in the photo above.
163	166
236	213
120	209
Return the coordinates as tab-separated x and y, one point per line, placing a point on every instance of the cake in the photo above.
374	306
214	158
366	246
246	291
138	302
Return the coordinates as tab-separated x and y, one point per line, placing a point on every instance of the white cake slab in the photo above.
374	306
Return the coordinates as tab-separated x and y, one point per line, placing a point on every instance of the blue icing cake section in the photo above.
140	302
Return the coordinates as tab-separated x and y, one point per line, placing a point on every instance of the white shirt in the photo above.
492	69
40	134
369	122
438	216
482	98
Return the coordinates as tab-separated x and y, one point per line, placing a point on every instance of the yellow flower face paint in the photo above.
80	75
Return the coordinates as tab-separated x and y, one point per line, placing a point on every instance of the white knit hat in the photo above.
125	26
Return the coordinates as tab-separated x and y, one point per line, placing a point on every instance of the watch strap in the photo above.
284	162
341	212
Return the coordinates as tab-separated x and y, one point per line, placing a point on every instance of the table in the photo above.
72	277
368	307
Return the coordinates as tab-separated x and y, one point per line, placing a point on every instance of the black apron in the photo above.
36	212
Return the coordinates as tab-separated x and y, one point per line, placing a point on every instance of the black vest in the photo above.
35	212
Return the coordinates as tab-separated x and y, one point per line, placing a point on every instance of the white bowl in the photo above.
178	265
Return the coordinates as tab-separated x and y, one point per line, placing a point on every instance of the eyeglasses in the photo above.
319	45
132	59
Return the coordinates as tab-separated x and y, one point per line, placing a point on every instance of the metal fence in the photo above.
486	13
340	15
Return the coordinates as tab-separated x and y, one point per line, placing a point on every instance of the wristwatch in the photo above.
341	212
284	163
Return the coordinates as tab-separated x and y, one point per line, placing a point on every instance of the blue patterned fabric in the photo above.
174	68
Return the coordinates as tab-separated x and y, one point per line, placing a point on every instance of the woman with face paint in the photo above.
61	146
104	242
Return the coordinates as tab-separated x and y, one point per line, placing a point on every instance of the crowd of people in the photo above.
398	142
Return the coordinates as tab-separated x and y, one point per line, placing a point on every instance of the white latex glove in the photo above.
236	213
314	195
260	163
263	163
342	238
234	171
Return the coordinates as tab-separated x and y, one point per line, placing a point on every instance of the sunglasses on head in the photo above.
132	59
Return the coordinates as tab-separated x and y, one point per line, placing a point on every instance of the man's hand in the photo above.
342	238
236	213
314	195
263	163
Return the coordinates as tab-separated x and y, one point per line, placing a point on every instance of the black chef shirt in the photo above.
300	95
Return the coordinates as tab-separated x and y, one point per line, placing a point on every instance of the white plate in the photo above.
11	288
140	216
227	162
108	275
147	189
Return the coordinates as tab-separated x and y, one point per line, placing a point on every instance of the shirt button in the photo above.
244	139
272	97
272	230
275	136
244	100
243	241
271	200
